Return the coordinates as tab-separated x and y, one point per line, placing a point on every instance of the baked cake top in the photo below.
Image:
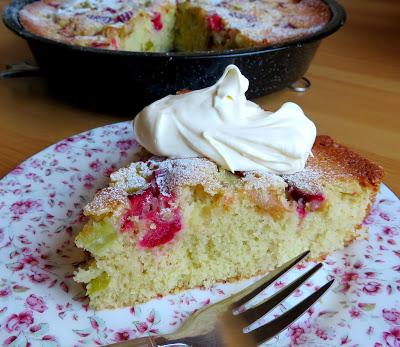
270	20
96	22
84	22
331	162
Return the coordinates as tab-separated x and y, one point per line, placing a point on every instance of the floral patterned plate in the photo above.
41	305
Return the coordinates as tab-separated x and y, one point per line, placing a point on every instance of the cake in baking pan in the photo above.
165	25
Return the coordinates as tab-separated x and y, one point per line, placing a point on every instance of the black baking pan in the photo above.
121	81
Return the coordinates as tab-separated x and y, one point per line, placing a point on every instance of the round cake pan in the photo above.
121	81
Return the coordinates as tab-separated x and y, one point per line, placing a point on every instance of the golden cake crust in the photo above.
340	161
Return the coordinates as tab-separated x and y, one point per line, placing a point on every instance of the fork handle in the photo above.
147	341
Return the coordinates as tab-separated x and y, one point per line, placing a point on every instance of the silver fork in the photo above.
208	326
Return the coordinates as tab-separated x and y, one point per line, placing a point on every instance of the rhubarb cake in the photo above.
229	191
164	225
165	25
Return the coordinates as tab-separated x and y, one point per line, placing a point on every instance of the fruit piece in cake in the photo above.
169	224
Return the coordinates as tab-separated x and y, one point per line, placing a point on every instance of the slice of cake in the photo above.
168	224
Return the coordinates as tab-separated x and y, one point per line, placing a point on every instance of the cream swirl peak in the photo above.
219	123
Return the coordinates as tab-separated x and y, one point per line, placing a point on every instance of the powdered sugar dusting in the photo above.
269	21
262	180
169	175
110	8
192	172
308	180
278	33
133	178
106	201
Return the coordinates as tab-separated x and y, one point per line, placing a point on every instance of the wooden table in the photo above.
355	94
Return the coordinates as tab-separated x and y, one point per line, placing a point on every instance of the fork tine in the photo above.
250	292
254	313
274	327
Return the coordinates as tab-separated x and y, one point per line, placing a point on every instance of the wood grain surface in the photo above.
355	93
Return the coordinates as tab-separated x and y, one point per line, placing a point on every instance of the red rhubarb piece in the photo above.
157	22
215	23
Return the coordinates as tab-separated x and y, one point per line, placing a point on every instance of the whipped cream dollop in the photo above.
220	124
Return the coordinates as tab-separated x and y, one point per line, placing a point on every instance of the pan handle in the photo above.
23	69
301	85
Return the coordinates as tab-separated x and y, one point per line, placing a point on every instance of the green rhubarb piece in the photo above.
99	283
148	47
98	236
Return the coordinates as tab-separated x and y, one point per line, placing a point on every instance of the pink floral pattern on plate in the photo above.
41	305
